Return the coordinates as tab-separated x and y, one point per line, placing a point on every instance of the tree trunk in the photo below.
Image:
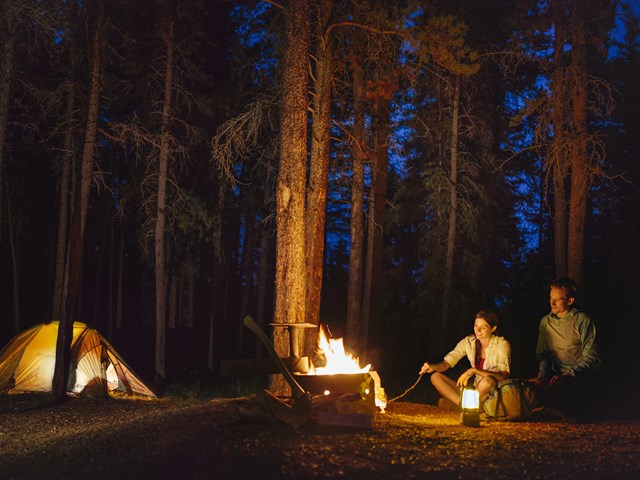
191	291
6	79
375	226
453	207
78	221
354	292
172	299
14	263
120	286
290	192
558	162
560	223
217	275
318	172
161	213
265	272
580	175
110	296
63	220
247	267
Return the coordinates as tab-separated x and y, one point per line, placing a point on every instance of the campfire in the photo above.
337	359
335	391
341	373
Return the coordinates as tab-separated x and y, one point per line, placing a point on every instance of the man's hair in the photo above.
566	284
489	316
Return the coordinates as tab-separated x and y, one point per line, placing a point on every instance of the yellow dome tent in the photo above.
27	363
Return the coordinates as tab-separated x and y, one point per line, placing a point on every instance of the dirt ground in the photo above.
158	439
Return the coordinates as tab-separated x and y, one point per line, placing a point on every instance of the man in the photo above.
566	351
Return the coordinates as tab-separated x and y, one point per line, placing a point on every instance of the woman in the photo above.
488	354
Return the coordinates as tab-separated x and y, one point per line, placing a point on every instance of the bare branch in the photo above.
239	137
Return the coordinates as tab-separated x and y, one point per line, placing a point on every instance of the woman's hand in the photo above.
464	378
426	368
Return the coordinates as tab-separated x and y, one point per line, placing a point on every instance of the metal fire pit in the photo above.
339	383
362	385
345	393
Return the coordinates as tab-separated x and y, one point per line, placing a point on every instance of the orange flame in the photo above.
338	360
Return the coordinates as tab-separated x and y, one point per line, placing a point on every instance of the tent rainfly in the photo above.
27	363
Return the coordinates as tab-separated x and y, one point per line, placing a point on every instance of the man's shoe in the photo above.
548	414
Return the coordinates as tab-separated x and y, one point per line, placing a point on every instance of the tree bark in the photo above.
290	192
120	288
375	226
110	295
6	79
7	72
191	292
217	275
356	248
63	219
14	263
161	212
453	207
78	221
558	162
172	300
580	165
318	171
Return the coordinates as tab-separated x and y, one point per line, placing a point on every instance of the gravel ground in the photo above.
167	438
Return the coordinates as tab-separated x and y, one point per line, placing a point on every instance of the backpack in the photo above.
512	400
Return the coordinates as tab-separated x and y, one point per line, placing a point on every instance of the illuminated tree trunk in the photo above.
290	275
560	222
453	207
78	221
570	158
558	162
319	170
161	216
63	220
580	164
356	249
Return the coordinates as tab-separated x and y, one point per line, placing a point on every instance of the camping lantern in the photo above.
470	415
